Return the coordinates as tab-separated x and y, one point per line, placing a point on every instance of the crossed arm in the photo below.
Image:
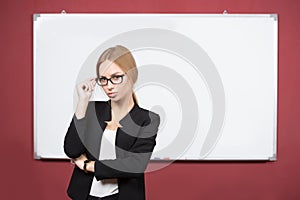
129	166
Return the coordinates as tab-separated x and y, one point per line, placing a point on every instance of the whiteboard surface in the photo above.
241	48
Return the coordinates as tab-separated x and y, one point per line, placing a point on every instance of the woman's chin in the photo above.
114	98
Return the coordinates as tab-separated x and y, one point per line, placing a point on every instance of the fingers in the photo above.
83	157
86	88
89	85
91	88
92	83
79	162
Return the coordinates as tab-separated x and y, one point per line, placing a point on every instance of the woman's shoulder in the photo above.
96	106
103	103
147	116
145	111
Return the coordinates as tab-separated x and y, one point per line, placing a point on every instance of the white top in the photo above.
106	187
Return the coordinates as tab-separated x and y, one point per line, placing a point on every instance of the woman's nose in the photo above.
110	85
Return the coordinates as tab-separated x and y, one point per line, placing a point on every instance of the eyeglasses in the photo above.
116	79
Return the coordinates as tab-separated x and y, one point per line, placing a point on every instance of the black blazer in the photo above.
134	143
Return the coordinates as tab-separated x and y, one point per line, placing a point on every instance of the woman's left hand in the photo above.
80	161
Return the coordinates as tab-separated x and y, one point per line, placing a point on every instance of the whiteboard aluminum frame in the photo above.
274	16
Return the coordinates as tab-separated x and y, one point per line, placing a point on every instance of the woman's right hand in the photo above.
85	89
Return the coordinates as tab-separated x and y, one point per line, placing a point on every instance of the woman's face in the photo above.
115	92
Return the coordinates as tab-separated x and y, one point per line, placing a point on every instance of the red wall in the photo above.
22	177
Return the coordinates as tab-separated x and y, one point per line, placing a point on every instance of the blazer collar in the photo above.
105	113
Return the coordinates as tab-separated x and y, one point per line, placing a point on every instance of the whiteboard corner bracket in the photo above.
36	156
273	158
274	16
36	16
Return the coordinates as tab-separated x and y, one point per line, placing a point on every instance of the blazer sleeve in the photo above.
136	162
73	141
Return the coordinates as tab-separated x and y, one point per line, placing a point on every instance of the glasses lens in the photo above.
102	81
117	79
114	80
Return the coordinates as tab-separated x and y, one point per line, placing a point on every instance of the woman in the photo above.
110	142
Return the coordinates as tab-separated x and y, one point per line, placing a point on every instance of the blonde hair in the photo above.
121	56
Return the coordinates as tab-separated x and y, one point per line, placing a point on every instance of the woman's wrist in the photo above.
90	167
83	99
85	163
81	108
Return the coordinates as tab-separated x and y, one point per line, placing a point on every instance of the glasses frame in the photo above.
110	79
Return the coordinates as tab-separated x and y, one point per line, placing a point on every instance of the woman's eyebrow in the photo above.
116	73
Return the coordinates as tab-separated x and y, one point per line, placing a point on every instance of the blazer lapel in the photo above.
127	134
98	114
103	112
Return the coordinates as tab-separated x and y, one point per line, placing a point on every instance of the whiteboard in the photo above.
211	78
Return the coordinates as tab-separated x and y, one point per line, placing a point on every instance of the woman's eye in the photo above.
115	77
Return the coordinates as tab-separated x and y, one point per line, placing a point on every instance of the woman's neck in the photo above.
120	108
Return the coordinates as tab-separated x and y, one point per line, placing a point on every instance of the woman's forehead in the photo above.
108	68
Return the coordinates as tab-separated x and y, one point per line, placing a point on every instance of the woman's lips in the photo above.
111	94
